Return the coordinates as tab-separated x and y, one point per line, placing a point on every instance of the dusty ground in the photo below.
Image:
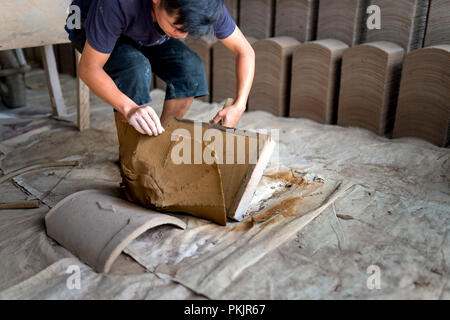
334	204
35	115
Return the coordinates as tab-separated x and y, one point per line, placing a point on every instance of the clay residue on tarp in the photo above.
209	191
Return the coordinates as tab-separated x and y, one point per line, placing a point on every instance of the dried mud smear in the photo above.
283	209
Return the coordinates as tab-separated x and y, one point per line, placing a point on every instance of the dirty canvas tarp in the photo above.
379	202
209	259
35	267
54	283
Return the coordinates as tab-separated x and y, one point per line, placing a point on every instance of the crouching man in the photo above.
124	41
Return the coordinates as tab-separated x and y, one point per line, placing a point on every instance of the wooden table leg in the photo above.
56	97
83	104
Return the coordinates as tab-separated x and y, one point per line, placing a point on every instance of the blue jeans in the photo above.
131	68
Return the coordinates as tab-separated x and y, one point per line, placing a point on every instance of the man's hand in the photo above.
90	70
229	115
145	120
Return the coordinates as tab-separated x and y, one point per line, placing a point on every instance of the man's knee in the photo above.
138	69
188	77
131	72
127	61
141	71
192	64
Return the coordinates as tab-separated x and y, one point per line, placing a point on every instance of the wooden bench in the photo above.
40	23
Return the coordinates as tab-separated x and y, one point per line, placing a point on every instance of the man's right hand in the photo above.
145	120
90	69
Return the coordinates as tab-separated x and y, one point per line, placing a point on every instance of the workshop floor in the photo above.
362	203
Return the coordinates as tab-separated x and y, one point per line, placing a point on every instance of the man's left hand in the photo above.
229	116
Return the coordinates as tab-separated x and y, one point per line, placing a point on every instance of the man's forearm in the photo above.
104	87
245	71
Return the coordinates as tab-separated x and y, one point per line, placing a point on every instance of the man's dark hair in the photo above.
194	16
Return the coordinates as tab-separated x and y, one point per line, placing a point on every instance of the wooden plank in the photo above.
32	23
369	86
438	26
315	78
83	103
20	205
296	19
256	18
203	47
342	20
242	192
54	85
424	102
271	86
402	22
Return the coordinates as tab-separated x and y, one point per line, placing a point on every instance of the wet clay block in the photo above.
203	47
402	22
369	86
424	101
224	72
213	191
256	18
271	85
296	19
342	20
438	26
315	77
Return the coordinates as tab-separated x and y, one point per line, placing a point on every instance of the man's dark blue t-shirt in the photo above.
107	20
